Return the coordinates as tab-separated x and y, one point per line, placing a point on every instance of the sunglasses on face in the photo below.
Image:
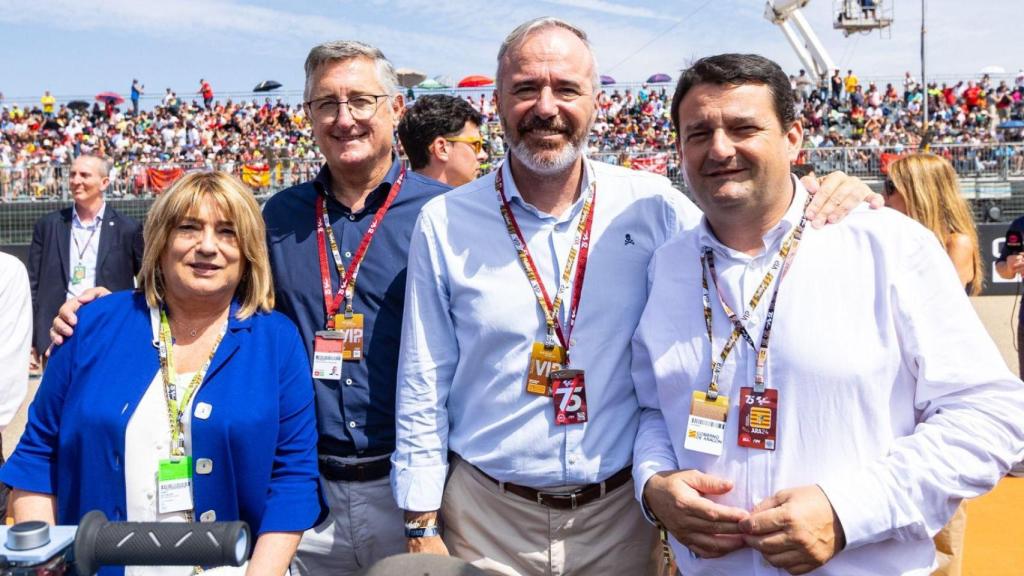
477	143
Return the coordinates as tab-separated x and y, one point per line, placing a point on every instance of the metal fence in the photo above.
1002	161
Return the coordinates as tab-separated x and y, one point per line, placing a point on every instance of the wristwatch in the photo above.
422	529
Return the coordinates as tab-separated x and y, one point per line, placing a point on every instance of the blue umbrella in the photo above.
606	80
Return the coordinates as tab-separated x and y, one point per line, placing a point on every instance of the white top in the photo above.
16	327
84	250
893	398
147	441
471	319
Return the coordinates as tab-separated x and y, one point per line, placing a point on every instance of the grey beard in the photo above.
546	166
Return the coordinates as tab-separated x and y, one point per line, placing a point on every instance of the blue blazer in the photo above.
118	259
260	433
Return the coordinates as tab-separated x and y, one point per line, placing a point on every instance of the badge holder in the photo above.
705	428
570	396
328	349
174	485
350	328
758	418
544	360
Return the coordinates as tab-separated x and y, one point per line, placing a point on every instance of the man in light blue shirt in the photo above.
538	479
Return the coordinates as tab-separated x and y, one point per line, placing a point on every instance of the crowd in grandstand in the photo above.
632	123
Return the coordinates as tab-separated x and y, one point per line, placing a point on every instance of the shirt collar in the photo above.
322	183
76	220
772	238
514	197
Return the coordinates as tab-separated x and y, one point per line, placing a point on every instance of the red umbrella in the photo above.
475	81
112	98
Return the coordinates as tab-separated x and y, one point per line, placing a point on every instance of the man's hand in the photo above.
835	195
1013	265
426	544
795	530
64	324
707	528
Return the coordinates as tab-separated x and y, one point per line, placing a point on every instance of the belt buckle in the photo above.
571	496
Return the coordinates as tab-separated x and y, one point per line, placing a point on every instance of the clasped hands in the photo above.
795	530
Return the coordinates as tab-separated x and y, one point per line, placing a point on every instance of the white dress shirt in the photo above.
471	319
16	327
892	397
84	250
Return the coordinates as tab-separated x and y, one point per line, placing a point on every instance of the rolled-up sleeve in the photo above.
294	501
970	407
426	366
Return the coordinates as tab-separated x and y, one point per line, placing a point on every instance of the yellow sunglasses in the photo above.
477	143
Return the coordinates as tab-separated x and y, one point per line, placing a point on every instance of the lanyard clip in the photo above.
550	340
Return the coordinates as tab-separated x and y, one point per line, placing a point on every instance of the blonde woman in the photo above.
926	188
191	377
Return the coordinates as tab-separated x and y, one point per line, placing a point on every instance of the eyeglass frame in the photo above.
890	187
337	106
477	143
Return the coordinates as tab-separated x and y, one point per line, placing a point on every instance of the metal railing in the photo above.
1003	161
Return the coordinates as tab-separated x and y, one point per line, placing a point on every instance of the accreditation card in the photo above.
705	428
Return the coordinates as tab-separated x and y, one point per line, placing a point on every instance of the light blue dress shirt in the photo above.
471	319
84	250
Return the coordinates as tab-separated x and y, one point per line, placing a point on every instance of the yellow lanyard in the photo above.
176	408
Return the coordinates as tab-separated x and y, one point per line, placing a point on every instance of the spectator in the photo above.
137	91
48	102
207	92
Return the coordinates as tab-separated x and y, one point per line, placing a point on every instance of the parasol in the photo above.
475	81
409	78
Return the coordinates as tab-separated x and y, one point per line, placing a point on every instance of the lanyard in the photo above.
78	247
580	248
347	278
781	263
176	408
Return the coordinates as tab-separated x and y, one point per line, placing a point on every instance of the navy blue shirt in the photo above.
356	415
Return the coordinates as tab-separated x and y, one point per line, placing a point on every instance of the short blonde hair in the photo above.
256	289
931	189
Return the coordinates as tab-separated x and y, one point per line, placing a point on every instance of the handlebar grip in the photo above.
102	543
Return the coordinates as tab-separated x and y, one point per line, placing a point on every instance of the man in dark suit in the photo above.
86	245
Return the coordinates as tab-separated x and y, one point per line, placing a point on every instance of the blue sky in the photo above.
81	47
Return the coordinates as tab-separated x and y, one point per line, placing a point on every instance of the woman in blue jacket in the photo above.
186	400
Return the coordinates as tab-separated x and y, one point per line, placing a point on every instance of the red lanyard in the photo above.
324	232
580	250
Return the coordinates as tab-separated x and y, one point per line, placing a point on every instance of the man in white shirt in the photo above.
838	397
539	481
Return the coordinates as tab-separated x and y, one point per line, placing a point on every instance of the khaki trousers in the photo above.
505	534
949	544
364	526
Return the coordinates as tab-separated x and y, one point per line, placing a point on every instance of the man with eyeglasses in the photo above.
516	416
441	137
338	248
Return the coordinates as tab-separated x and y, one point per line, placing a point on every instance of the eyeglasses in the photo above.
477	143
359	107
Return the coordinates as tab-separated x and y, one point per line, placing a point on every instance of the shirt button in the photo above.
348	381
572	342
352	217
348	254
572	459
208	516
352	424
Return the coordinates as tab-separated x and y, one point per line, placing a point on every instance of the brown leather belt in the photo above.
363	472
567	500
